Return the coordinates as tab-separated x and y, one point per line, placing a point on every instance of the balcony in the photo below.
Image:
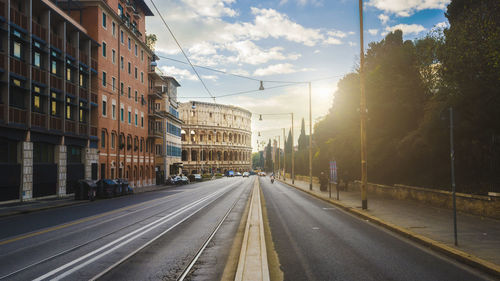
39	75
39	31
18	18
155	133
70	88
71	126
17	115
70	50
56	41
38	119
93	131
18	67
56	82
82	128
56	123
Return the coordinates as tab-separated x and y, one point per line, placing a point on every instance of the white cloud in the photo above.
441	25
337	33
383	18
405	8
406	28
211	8
209	77
178	73
282	68
332	41
248	52
373	31
352	44
317	51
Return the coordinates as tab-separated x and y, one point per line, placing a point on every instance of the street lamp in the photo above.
363	111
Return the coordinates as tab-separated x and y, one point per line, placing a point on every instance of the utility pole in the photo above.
293	158
362	109
310	141
284	155
452	158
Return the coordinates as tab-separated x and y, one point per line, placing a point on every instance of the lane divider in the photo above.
252	264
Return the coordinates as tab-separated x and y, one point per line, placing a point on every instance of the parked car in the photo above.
197	177
262	174
229	173
238	174
246	174
182	179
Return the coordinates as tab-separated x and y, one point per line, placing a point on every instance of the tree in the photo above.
151	41
269	157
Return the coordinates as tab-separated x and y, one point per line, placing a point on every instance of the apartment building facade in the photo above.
125	149
48	129
164	124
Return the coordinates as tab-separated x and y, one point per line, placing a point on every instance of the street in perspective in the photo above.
249	140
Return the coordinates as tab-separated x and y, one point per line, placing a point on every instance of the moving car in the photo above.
230	173
238	174
246	174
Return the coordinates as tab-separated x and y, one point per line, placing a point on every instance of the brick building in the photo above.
125	151
48	138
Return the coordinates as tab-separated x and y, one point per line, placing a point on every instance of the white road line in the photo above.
141	231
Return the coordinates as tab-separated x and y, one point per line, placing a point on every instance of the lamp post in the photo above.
310	141
362	110
284	155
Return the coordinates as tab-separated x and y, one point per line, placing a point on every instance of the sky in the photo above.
277	41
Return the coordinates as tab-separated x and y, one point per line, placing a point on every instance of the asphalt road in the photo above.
317	241
80	242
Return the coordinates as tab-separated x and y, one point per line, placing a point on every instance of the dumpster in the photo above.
84	188
106	188
124	186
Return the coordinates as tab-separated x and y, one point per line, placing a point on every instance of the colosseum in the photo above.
215	138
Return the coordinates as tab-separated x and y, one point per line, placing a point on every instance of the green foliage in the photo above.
409	87
151	41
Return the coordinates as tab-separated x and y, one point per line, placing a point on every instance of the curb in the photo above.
249	266
458	255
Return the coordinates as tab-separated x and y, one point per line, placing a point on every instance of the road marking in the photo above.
135	234
315	228
50	229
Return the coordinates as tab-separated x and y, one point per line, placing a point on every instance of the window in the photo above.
104	20
37	107
121	36
113	111
129	68
36	59
17	50
104	79
121	62
82	116
68	74
142	55
53	67
135	96
129	43
142	121
121	114
43	152
129	92
113	83
142	100
113	56
113	29
135	73
53	104
129	117
103	139
136	119
69	112
104	113
136	50
142	77
121	88
104	49
120	10
113	137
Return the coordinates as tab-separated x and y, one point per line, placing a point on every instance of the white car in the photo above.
246	174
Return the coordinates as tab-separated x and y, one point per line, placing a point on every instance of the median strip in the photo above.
253	263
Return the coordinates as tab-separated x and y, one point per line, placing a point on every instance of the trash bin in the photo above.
123	185
106	188
82	189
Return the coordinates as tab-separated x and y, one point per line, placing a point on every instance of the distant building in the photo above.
215	138
164	125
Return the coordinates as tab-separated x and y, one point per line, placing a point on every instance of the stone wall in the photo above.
487	206
90	156
61	160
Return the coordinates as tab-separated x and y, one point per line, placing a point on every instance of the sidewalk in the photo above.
16	208
477	236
